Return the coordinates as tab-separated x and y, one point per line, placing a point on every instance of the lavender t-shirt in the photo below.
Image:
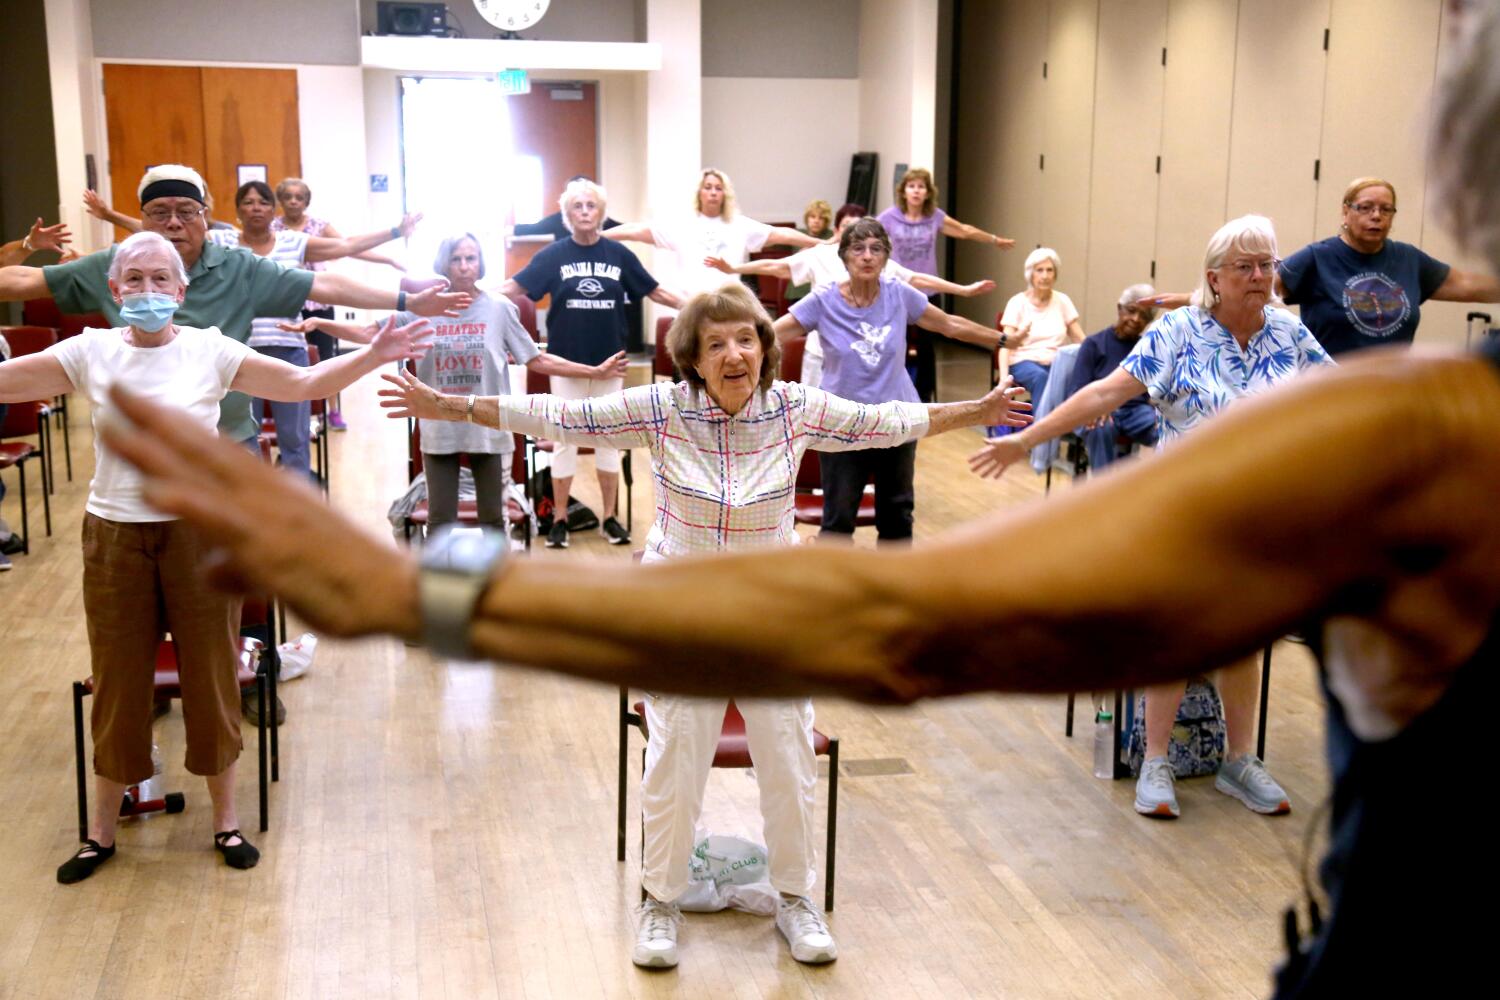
914	244
864	350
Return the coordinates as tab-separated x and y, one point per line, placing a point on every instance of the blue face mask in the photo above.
149	311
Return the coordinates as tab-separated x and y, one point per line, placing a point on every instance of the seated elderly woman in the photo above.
1230	343
1037	322
141	567
711	499
1098	356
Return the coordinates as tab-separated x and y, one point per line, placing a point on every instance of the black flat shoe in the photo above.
81	865
241	855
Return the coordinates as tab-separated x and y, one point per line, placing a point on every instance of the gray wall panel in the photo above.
271	31
800	39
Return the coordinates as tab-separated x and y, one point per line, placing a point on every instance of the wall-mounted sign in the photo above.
247	172
380	183
513	82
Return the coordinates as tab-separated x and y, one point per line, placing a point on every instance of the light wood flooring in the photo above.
447	829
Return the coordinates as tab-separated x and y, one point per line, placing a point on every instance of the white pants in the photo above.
565	457
683	734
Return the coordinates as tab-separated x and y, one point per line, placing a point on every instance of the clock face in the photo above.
512	15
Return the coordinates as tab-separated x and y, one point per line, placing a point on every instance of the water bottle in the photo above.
1104	745
151	788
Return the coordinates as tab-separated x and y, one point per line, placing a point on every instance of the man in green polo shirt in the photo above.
227	287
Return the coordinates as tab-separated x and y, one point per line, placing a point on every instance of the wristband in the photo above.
395	232
26	244
401	301
1004	340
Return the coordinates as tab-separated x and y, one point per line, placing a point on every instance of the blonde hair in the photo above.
291	182
1360	183
1247	234
929	204
731	303
731	204
822	208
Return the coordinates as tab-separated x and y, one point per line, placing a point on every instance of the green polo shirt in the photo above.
227	288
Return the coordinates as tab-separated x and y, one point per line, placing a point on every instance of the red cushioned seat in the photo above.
734	745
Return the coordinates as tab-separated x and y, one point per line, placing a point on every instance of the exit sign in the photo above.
514	81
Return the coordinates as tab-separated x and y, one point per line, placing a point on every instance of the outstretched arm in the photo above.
341	290
272	378
964	231
958	328
776	267
33	376
1468	286
352	332
930	283
1084	407
325	248
19	283
636	232
102	210
39	238
782	236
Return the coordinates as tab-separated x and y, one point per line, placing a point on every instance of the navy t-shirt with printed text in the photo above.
1352	300
589	286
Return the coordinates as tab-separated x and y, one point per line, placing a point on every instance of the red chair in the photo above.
733	751
771	290
168	684
516	515
539	384
527	310
44	312
34	340
661	363
24	420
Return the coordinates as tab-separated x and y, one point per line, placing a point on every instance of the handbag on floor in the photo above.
1197	743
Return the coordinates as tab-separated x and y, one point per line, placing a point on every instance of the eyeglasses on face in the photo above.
1245	268
183	213
1371	208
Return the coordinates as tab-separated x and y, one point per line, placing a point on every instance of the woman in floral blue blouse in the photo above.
1231	341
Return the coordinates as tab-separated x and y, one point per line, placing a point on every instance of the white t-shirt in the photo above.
192	373
1049	326
699	236
821	265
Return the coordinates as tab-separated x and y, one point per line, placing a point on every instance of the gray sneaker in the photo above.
802	924
1155	789
1248	780
656	934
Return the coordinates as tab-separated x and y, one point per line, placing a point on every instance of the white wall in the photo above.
816	131
77	114
898	85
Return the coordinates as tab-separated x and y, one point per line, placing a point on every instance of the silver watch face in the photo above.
465	550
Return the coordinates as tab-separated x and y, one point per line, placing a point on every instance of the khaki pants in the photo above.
139	581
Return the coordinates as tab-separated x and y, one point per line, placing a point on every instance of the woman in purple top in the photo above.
862	323
914	223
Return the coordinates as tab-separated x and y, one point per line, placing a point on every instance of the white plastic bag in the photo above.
297	657
728	872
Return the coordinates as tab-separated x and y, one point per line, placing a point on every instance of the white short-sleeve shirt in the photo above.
191	374
700	236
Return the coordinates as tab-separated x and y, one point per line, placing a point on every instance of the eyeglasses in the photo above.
1245	268
183	213
866	249
1372	208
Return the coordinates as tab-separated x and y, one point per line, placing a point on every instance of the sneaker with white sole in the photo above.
1156	789
804	928
614	532
656	934
557	538
1247	779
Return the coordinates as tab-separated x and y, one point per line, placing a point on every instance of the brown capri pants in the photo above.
139	581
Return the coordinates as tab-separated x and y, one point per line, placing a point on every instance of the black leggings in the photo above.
442	488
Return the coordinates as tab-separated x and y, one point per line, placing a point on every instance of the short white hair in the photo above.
1247	234
1464	144
172	172
1037	256
581	187
1135	293
141	243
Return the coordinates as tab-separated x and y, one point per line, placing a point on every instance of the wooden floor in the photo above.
447	829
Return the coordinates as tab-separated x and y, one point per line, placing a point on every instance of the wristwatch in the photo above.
456	567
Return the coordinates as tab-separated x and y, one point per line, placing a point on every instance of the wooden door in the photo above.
558	124
154	115
209	118
249	116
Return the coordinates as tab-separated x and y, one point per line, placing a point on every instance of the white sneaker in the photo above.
656	934
804	928
1154	791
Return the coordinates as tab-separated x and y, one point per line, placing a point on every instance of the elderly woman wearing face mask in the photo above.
1230	343
142	573
713	499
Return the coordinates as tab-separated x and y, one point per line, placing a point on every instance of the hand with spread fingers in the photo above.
408	396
